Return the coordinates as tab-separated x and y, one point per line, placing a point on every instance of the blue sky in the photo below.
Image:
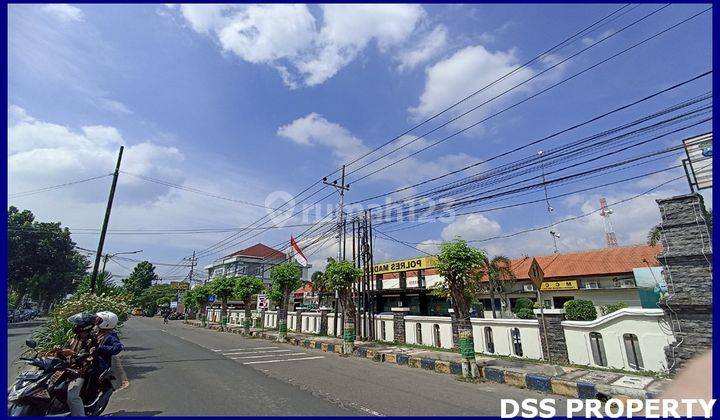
242	101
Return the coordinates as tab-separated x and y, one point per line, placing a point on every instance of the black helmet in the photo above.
83	321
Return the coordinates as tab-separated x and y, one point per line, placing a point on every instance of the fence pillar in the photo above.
687	268
399	324
324	320
555	335
298	320
454	327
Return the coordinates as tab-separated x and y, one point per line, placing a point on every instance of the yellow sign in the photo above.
180	285
536	273
405	265
559	285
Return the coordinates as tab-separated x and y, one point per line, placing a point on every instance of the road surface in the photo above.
176	369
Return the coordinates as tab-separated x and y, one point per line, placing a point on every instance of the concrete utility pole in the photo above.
341	211
106	220
192	269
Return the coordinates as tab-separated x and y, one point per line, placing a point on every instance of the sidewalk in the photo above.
563	380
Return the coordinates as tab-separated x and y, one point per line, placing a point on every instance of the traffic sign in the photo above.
180	285
536	274
211	298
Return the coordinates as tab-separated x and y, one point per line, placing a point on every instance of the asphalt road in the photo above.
17	334
175	369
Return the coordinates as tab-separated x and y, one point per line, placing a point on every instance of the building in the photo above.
629	274
256	260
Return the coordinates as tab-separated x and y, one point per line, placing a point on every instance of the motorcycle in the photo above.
43	392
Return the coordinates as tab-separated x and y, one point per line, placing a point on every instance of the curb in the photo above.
533	381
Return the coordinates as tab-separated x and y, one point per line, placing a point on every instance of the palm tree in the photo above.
319	285
498	270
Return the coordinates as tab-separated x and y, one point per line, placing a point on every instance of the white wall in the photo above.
649	325
387	321
501	330
427	326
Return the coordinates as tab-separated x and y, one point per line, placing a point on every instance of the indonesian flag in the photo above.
299	256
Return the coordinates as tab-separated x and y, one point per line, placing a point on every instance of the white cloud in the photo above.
471	226
64	12
42	153
288	37
428	48
314	129
464	72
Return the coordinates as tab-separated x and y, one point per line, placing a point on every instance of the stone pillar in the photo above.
686	259
324	320
454	327
555	335
298	320
399	324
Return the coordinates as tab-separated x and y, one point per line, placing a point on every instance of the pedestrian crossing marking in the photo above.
245	348
283	360
266	355
255	352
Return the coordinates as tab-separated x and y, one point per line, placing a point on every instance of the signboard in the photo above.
180	285
559	285
536	274
405	265
173	305
211	298
262	301
699	155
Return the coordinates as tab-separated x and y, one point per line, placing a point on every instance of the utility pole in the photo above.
341	211
98	254
192	269
108	257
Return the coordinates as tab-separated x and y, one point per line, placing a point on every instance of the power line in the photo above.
55	187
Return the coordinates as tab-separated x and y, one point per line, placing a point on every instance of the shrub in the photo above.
613	307
580	310
525	313
58	330
523	303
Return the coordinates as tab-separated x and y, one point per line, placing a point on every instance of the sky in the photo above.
242	105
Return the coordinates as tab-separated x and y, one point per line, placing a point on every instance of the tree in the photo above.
140	279
319	285
197	298
245	288
43	263
498	270
223	287
285	278
461	267
340	276
103	285
153	297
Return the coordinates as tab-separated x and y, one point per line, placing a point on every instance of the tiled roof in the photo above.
597	262
258	251
306	288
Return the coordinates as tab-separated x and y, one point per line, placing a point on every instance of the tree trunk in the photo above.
248	315
348	307
492	298
282	318
465	336
223	311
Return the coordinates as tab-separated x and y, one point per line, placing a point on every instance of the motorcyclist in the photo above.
108	343
82	342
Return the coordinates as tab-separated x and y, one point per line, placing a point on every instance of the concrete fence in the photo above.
630	338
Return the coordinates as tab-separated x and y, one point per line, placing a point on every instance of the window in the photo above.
418	333
632	349
598	349
516	342
489	344
382	331
436	335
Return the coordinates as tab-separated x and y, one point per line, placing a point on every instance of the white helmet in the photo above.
108	320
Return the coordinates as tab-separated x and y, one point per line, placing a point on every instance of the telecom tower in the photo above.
605	212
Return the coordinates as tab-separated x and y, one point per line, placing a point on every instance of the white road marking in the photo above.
246	348
283	360
267	355
255	352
